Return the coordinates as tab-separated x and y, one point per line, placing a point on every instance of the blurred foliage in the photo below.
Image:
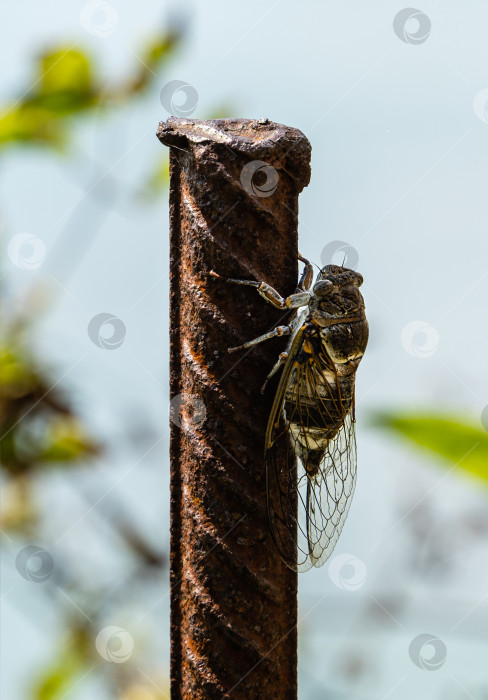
39	429
57	680
460	444
65	84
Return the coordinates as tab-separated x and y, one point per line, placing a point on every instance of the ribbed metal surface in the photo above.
233	602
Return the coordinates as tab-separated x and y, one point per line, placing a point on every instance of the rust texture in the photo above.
233	601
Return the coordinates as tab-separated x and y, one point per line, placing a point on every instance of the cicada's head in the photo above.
332	278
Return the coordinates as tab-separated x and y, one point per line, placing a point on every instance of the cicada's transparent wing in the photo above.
324	499
311	427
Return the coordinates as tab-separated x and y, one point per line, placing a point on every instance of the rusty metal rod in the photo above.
233	209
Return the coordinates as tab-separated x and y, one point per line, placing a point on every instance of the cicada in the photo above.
310	450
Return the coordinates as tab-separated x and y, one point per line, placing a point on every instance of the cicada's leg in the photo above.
279	330
294	301
283	356
307	275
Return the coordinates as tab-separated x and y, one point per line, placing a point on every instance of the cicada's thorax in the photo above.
341	317
336	338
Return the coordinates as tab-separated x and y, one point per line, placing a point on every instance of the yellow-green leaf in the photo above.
461	444
57	681
30	123
65	81
66	440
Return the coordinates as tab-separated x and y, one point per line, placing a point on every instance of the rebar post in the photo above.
234	186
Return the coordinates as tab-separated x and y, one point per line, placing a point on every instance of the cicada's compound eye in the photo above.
322	287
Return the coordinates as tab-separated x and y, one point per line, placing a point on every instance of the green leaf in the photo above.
462	445
71	664
65	83
64	69
56	682
31	124
66	440
15	375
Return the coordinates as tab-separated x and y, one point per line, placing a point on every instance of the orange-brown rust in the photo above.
233	602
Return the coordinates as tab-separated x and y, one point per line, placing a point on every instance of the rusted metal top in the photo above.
260	138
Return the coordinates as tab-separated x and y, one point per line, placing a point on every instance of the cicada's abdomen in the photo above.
326	393
326	404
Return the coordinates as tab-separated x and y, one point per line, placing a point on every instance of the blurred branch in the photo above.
114	513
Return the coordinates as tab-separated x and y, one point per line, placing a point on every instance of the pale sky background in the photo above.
400	172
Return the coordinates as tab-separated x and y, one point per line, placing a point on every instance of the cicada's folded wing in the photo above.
310	459
281	466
